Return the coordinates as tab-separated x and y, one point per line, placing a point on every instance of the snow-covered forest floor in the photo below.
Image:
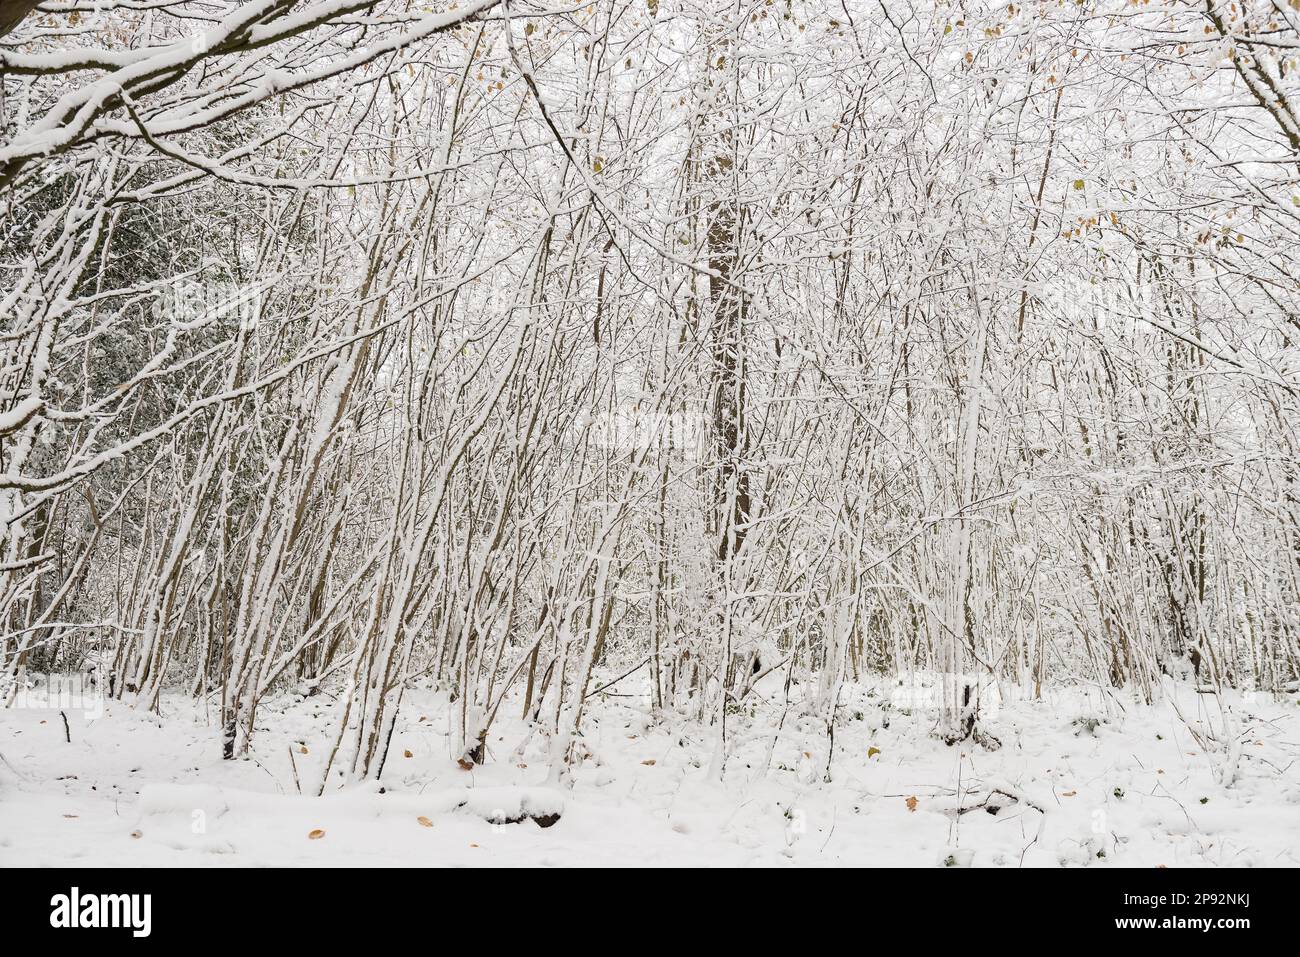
1079	781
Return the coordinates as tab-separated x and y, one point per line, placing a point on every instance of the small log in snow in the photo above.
509	805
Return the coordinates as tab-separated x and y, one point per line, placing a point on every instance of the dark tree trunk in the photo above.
13	12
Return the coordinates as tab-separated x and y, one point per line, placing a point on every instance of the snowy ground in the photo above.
1074	784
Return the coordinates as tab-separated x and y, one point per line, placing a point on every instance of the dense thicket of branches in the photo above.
493	343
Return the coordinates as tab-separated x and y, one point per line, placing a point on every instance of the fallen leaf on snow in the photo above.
911	803
648	761
465	765
408	754
1068	794
424	821
872	752
315	835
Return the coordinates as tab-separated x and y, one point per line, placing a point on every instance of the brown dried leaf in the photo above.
424	821
911	803
315	835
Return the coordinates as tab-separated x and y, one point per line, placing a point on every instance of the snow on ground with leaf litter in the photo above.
1076	783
